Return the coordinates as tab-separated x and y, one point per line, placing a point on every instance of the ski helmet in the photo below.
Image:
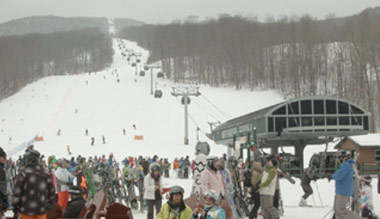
210	159
176	190
212	194
154	167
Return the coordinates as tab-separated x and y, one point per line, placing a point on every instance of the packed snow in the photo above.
61	108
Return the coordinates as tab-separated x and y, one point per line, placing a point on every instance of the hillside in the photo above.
52	24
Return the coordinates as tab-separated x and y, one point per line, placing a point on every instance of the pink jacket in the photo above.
212	180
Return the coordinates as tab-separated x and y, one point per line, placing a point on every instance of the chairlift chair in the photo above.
183	100
158	94
160	75
138	60
142	73
146	68
133	64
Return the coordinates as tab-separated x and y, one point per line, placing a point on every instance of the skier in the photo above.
153	189
211	178
267	189
176	167
344	186
68	149
104	139
124	133
366	198
134	126
186	166
86	132
92	141
59	132
210	209
3	183
62	179
175	208
307	176
35	178
257	172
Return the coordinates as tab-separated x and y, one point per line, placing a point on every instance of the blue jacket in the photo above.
344	178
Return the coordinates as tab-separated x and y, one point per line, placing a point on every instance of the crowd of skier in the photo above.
31	185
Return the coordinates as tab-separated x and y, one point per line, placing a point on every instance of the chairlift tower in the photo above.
151	76
185	93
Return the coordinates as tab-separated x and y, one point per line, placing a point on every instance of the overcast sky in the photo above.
165	11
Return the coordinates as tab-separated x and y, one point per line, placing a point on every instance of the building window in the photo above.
356	120
293	108
270	124
319	121
377	156
306	121
280	123
343	107
330	106
293	122
355	110
344	120
319	107
332	121
280	111
306	107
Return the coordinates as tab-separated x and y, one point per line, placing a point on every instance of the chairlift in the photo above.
146	68
183	100
158	94
128	59
133	64
142	73
138	60
202	147
160	75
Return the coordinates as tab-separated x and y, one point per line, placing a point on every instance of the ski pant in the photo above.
307	190
36	216
151	204
256	204
63	198
186	173
176	173
340	208
276	199
267	207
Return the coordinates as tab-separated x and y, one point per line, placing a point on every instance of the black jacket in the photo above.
3	188
74	207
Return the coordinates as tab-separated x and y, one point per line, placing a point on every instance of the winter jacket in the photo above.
167	212
211	179
74	207
344	178
307	176
3	188
214	212
268	181
62	177
149	184
176	165
257	173
366	197
34	190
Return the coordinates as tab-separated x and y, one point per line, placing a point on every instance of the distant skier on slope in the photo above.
92	141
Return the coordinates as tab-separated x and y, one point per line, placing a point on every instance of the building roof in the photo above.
369	140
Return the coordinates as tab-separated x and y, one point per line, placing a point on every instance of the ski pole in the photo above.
312	195
319	194
328	213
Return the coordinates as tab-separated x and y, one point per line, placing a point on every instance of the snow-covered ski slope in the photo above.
74	103
97	102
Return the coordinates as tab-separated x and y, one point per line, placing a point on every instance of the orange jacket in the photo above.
176	165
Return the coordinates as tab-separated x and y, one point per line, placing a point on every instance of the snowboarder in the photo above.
344	186
92	141
307	176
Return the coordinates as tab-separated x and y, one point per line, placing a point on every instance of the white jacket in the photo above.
149	187
268	190
62	177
